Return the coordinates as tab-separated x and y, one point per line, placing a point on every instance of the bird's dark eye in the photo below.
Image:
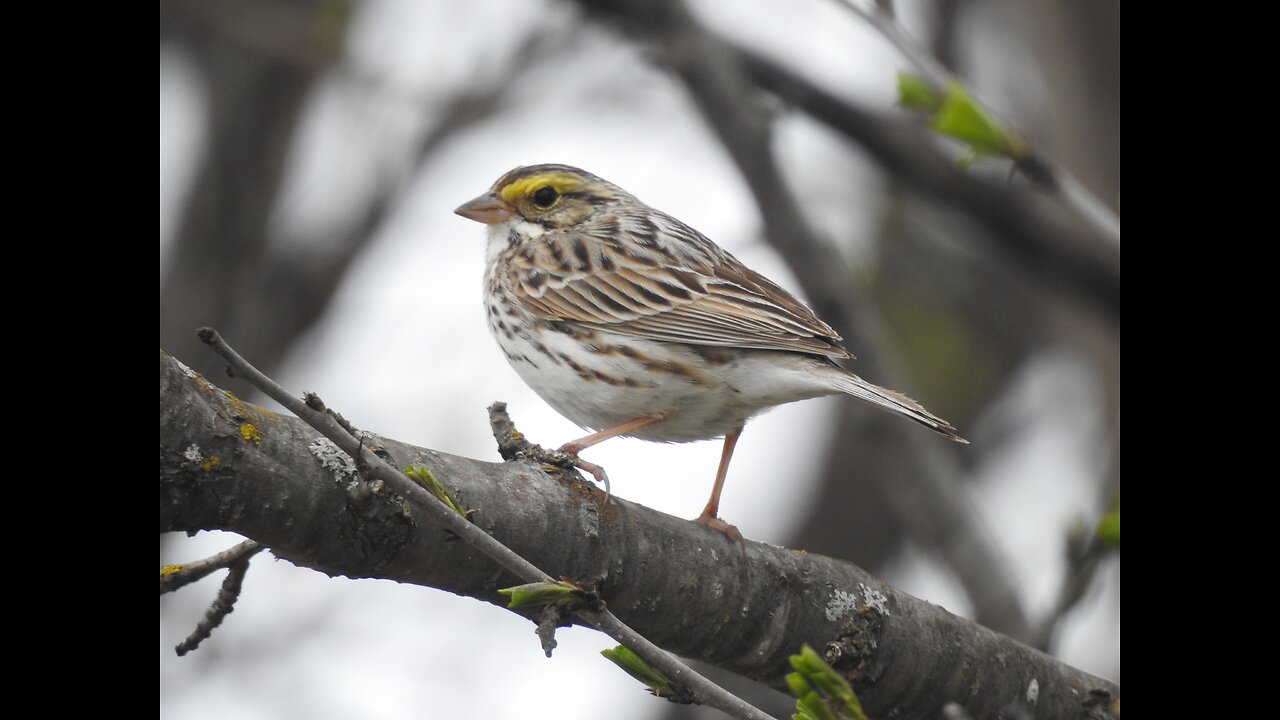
545	196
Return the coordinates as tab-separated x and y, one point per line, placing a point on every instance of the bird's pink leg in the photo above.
577	446
711	513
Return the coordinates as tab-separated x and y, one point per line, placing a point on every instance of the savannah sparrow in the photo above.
629	322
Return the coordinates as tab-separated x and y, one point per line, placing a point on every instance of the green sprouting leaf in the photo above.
812	707
636	666
956	114
797	684
1109	526
823	693
427	479
916	94
963	118
547	592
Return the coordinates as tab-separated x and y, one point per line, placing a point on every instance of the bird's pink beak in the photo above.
488	209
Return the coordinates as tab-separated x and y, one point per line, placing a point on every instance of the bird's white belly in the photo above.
619	378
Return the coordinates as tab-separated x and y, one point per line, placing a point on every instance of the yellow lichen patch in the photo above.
244	409
563	183
211	463
171	569
584	490
250	432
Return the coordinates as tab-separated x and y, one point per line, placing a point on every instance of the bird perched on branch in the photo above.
629	322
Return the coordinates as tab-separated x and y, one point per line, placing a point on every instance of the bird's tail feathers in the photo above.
899	403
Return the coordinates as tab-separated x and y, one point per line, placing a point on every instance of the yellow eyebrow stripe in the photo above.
563	183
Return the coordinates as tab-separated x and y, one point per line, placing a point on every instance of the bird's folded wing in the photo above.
719	306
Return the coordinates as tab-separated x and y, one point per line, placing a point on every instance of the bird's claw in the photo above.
596	471
716	523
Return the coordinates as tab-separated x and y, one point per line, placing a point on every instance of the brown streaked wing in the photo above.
728	306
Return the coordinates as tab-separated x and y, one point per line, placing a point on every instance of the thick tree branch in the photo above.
228	465
379	478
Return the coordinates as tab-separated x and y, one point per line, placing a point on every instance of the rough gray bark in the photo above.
229	465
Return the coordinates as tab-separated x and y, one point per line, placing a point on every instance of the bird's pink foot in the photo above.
716	523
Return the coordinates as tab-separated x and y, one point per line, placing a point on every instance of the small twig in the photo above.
513	445
173	577
221	607
549	619
560	600
706	692
886	23
1084	556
